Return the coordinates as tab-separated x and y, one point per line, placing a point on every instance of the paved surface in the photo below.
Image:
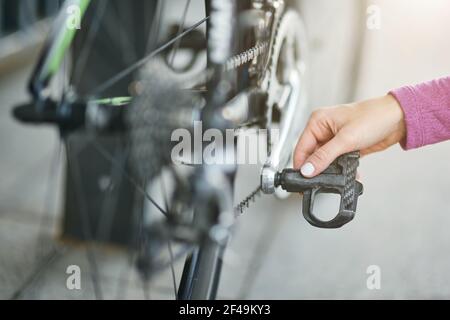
402	223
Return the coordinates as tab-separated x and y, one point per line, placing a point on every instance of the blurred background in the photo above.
402	221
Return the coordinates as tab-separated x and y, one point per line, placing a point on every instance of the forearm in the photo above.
426	108
415	116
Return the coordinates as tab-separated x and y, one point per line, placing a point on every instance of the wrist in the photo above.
398	117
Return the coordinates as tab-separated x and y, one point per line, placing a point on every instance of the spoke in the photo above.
43	259
155	26
172	268
108	213
50	188
128	49
43	266
86	51
169	242
139	188
119	163
180	30
164	193
183	251
107	84
87	229
86	224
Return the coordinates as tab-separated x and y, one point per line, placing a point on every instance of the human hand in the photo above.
369	126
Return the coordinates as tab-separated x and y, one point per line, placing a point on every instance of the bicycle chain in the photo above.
246	56
245	204
234	63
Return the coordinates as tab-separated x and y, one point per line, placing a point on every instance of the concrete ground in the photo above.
401	225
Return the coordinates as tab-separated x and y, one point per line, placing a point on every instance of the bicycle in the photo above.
253	74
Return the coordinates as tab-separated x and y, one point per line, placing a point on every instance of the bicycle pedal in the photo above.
338	178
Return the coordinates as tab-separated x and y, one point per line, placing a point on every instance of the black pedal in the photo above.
338	178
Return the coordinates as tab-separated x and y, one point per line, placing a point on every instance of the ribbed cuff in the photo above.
414	130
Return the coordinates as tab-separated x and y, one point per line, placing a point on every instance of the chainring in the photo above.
285	84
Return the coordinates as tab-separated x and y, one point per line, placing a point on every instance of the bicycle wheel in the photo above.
101	64
138	88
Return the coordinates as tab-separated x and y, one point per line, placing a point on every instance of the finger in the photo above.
324	156
305	147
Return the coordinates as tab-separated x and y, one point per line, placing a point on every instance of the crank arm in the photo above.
339	178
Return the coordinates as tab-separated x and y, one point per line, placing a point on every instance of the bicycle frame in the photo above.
58	42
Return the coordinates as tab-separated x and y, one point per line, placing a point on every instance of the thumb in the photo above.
324	156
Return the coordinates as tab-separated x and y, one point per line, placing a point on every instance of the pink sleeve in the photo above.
427	112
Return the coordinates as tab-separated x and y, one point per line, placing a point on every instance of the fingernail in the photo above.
308	169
